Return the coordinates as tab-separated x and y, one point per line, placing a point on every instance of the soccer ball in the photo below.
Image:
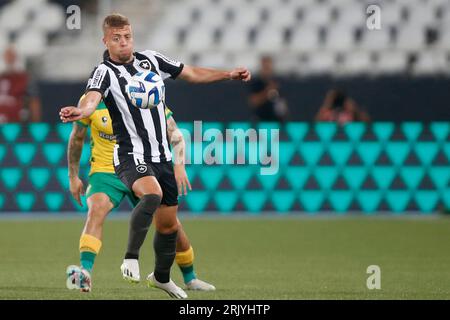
145	90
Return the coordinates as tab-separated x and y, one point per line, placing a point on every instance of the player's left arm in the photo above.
74	150
178	149
207	75
173	68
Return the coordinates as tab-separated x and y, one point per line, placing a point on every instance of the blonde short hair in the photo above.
115	20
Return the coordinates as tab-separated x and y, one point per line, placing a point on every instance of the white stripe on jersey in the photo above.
148	123
138	148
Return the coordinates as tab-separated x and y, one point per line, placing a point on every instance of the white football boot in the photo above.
85	281
130	270
199	285
78	278
73	277
170	287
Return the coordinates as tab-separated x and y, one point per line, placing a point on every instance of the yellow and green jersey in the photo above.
103	139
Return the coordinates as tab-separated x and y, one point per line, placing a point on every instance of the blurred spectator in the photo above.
340	108
18	94
265	100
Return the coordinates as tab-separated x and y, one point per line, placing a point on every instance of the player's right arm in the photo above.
86	107
97	85
74	150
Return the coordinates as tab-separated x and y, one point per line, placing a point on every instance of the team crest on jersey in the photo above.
104	120
142	168
145	64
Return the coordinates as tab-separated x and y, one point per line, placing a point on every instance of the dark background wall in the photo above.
385	98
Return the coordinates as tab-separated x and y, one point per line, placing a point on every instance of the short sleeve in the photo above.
84	122
99	80
169	68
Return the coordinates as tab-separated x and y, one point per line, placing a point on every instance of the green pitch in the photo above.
244	258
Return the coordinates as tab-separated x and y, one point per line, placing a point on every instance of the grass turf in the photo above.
243	258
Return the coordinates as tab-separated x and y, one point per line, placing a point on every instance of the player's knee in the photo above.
167	228
157	192
98	210
150	202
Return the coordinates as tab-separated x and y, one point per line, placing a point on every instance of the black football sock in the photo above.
140	221
165	250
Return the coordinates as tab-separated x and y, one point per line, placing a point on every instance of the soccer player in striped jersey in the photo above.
105	191
142	158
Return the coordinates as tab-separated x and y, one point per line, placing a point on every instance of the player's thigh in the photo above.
105	191
166	179
140	179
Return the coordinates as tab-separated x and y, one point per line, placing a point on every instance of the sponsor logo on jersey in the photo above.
106	136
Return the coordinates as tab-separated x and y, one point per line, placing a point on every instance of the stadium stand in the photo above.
218	33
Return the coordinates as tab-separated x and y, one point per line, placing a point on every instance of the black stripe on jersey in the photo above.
135	114
124	139
158	131
130	68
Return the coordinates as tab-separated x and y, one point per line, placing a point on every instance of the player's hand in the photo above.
182	179
70	113
76	189
241	74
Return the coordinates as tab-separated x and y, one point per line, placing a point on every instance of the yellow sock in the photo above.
185	258
185	261
89	248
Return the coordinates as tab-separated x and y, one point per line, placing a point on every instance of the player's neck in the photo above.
116	60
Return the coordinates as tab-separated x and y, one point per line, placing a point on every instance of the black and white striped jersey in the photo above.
141	134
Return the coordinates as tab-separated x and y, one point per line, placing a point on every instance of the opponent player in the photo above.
142	158
106	191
